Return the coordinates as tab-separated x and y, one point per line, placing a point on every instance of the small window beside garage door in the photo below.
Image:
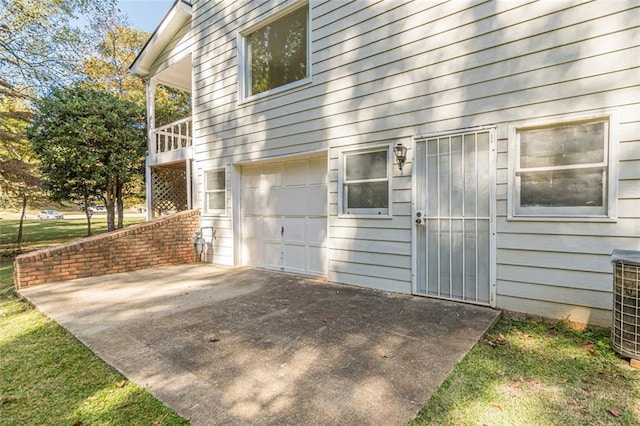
215	191
365	182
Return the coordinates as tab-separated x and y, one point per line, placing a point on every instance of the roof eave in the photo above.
179	13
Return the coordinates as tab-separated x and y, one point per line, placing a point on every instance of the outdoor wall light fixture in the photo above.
401	154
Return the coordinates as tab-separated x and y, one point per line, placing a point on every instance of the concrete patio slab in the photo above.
249	346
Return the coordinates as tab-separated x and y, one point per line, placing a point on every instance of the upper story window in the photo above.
564	169
275	54
365	182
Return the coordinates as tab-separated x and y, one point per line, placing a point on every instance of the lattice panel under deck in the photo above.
168	190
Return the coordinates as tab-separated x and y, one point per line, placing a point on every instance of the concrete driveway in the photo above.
248	346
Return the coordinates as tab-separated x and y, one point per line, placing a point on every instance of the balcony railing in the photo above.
172	137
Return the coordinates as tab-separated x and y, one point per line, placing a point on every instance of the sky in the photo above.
145	14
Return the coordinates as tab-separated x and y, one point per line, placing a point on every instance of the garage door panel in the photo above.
251	176
316	200
271	254
252	253
272	228
253	203
278	204
294	229
252	227
272	175
284	215
295	173
298	201
261	199
317	172
296	257
289	201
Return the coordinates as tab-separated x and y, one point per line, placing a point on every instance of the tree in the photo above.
41	43
108	70
14	119
19	178
19	181
91	144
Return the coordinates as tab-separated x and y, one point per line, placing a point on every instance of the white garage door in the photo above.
284	215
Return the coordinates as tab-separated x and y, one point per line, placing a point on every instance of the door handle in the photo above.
282	231
419	218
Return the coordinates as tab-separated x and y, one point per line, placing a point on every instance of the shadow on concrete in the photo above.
248	346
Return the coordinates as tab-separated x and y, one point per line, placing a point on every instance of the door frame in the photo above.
493	143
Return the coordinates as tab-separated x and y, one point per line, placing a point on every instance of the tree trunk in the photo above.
110	206
87	212
22	216
109	198
119	203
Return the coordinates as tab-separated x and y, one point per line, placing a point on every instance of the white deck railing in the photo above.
172	136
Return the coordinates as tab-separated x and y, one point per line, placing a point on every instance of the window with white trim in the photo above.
563	169
215	191
275	54
366	187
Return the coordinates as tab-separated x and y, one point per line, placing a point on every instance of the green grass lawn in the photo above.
47	377
523	372
46	233
538	373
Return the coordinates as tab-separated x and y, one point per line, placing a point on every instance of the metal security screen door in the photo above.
454	216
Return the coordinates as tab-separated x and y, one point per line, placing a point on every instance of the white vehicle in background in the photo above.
50	214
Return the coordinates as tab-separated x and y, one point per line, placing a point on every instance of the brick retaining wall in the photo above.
160	242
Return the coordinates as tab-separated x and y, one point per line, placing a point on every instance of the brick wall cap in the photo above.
94	239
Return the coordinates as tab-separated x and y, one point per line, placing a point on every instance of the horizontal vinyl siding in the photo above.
371	252
326	88
551	293
561	278
223	224
571	311
563	269
386	71
598	263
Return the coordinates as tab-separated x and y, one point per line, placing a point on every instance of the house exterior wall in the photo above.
390	71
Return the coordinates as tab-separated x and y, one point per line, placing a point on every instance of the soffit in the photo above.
177	16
